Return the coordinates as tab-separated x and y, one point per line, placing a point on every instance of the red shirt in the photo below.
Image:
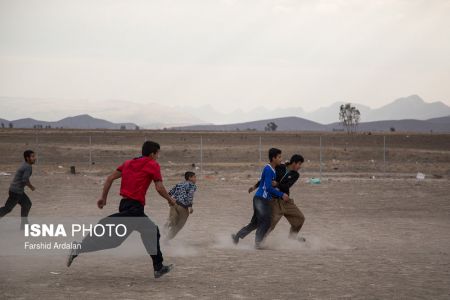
137	175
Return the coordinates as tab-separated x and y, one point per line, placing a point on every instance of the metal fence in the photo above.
207	151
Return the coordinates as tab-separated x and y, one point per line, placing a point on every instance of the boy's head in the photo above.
296	161
190	176
29	156
151	149
275	156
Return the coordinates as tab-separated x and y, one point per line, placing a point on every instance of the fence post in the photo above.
260	151
90	151
37	146
201	156
320	158
384	154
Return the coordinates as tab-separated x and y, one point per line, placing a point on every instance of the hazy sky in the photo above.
230	54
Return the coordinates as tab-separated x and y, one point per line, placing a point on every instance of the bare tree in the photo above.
349	116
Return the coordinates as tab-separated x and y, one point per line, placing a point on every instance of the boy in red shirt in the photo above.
136	176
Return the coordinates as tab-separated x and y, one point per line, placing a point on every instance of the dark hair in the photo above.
150	147
273	152
188	175
27	154
296	158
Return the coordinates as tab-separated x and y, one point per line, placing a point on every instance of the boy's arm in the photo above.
190	196
159	186
254	187
28	184
26	178
107	186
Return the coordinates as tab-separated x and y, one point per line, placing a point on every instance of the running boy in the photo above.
17	189
136	176
262	209
183	193
286	176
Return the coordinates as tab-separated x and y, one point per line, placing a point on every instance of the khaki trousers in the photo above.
289	210
178	216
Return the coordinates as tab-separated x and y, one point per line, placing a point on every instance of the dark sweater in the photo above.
285	178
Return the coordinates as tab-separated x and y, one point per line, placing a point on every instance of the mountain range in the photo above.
437	125
157	116
77	122
411	107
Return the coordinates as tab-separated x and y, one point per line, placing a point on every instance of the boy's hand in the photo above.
32	188
285	197
101	202
251	189
191	210
171	202
274	183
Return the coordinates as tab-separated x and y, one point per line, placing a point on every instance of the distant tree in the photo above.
11	125
392	129
271	126
349	116
123	127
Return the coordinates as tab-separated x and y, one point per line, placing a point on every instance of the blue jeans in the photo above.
262	212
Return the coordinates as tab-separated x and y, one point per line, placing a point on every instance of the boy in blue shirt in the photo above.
183	193
262	209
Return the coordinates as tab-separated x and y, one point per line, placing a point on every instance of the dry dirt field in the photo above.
372	230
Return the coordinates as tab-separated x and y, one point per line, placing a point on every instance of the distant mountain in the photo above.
412	107
284	124
77	122
211	115
330	114
440	125
151	114
158	114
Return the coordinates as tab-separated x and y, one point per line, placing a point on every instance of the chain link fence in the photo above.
325	154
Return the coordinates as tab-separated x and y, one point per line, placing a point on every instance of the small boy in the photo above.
183	193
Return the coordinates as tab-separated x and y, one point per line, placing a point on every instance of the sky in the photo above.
229	54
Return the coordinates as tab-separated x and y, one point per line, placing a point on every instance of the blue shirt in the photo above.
265	189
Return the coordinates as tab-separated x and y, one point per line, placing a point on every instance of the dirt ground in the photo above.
382	237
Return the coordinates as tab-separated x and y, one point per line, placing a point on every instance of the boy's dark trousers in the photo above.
131	214
13	200
260	221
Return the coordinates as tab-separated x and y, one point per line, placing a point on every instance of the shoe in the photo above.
72	255
235	238
301	239
164	270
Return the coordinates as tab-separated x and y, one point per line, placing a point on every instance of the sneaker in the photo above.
235	238
164	270
72	255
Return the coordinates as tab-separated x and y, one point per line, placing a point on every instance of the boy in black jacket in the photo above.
286	176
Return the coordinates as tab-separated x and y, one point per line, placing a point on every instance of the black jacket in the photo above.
285	178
